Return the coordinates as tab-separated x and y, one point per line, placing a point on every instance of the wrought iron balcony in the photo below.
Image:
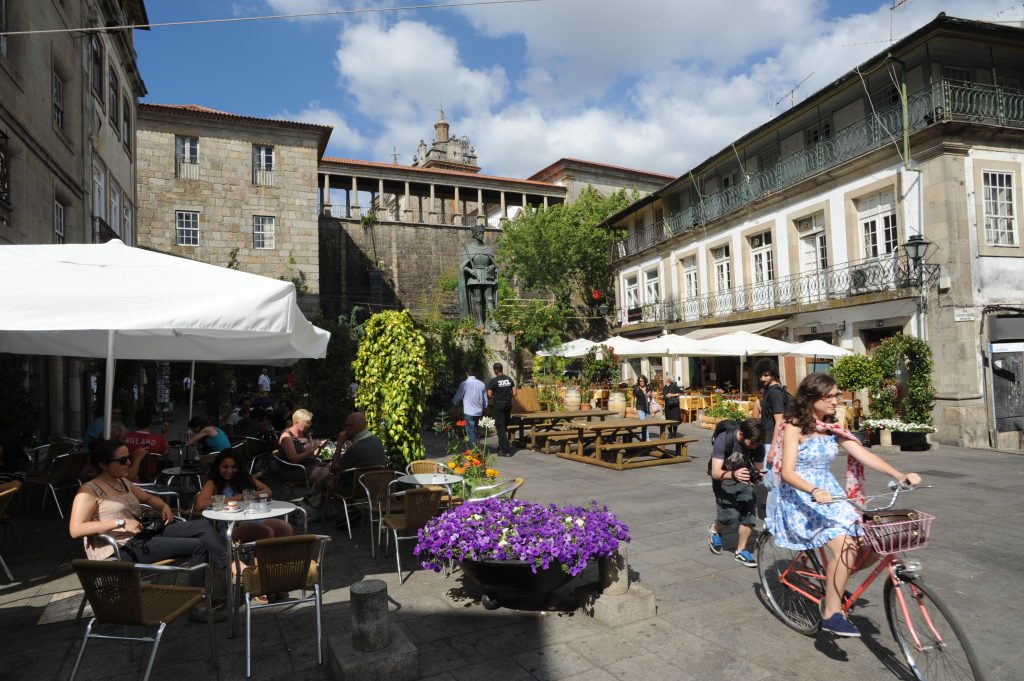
946	100
787	295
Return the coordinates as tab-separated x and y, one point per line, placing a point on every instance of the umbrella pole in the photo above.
191	387
108	385
742	358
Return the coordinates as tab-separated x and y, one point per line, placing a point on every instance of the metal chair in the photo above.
287	466
354	497
117	595
63	473
5	499
505	490
283	564
419	506
377	485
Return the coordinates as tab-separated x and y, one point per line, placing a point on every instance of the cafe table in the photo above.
275	509
445	480
617	444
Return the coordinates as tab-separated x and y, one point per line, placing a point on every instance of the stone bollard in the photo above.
370	628
885	437
614	572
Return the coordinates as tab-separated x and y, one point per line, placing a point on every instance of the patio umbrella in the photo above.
817	348
110	300
672	344
742	344
574	348
626	346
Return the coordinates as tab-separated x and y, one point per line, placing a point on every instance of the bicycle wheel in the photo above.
783	572
929	637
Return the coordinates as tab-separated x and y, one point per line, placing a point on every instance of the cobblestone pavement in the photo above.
710	623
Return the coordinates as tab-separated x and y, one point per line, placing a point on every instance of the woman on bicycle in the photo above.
799	514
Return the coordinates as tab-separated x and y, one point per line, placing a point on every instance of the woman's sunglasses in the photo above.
124	460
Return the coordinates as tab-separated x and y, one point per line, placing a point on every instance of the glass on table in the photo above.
263	502
248	496
218	502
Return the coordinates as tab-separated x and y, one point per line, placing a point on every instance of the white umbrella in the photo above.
625	346
817	348
672	344
574	348
110	300
742	344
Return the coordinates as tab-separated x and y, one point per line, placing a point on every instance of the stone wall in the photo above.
227	200
419	264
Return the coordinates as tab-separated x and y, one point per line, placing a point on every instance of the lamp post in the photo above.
917	249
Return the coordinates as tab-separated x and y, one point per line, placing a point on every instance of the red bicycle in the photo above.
928	635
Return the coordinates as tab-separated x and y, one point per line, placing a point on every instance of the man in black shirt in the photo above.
500	391
774	400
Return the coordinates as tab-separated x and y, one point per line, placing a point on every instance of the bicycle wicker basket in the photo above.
896	532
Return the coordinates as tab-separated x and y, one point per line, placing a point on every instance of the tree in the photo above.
560	252
394	378
327	381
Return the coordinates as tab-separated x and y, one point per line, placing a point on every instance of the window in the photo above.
263	231
1000	225
186	157
767	159
878	225
115	207
99	193
659	215
3	27
817	133
58	222
96	75
58	100
262	165
886	98
956	73
187	227
652	286
723	274
126	125
813	243
632	292
127	227
763	259
691	287
115	92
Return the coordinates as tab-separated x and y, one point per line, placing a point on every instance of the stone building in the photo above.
68	103
819	224
223	188
575	175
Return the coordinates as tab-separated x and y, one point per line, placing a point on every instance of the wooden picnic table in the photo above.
615	443
540	422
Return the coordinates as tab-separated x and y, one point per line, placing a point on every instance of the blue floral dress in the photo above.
795	520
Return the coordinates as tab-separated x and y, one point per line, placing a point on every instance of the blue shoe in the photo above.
714	540
746	558
840	626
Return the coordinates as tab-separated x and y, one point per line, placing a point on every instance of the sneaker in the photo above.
714	540
746	558
840	626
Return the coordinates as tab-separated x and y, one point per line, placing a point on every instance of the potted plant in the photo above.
474	464
904	434
517	548
721	409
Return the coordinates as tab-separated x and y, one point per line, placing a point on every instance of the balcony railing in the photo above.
946	100
262	176
5	172
788	294
186	168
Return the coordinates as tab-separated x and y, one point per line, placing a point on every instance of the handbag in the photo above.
152	526
655	406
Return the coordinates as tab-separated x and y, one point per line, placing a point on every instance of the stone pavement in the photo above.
710	622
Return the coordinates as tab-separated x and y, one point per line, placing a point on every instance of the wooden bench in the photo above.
555	441
637	454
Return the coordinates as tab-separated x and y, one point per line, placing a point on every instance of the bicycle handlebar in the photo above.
897	489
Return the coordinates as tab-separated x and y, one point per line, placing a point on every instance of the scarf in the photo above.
854	468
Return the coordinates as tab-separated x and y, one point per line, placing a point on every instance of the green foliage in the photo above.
914	357
726	410
233	263
560	251
452	346
296	276
534	323
394	378
596	370
549	368
855	372
15	403
326	381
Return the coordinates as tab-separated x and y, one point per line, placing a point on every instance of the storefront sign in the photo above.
1007	347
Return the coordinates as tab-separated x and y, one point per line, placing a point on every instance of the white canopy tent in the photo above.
110	300
817	348
574	348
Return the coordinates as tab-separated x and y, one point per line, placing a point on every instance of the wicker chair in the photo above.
378	486
5	499
284	564
354	497
505	490
448	499
62	473
117	595
420	505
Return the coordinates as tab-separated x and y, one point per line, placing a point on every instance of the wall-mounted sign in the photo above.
1007	347
964	314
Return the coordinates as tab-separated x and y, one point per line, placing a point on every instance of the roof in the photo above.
565	161
437	171
204	112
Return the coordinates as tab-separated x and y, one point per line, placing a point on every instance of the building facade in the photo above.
828	222
68	103
576	175
231	190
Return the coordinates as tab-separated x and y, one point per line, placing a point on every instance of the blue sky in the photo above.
652	84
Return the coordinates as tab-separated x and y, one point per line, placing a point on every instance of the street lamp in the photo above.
917	248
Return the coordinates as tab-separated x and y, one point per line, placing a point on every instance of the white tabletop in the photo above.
275	509
430	479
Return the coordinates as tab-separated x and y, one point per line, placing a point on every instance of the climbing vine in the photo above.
394	378
914	357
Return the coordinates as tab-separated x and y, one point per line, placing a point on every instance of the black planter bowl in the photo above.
514	579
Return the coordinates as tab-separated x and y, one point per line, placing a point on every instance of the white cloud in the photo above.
345	140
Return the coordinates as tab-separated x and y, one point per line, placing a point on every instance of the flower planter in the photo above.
709	422
914	442
513	579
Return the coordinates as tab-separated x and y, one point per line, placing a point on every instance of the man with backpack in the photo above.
774	400
735	449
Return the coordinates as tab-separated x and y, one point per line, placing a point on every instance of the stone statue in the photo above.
478	278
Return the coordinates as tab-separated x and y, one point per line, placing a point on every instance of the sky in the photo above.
656	85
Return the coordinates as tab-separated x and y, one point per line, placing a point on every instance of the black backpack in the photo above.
729	426
786	399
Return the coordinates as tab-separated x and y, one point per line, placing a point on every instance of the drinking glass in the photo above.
247	498
218	502
263	502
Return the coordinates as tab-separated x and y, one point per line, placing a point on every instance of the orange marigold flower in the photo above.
468	452
477	462
459	470
491	473
461	424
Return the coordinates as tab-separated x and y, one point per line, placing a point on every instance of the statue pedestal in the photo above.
501	347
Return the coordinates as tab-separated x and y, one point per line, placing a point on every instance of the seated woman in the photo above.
296	447
215	439
109	503
228	477
799	514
